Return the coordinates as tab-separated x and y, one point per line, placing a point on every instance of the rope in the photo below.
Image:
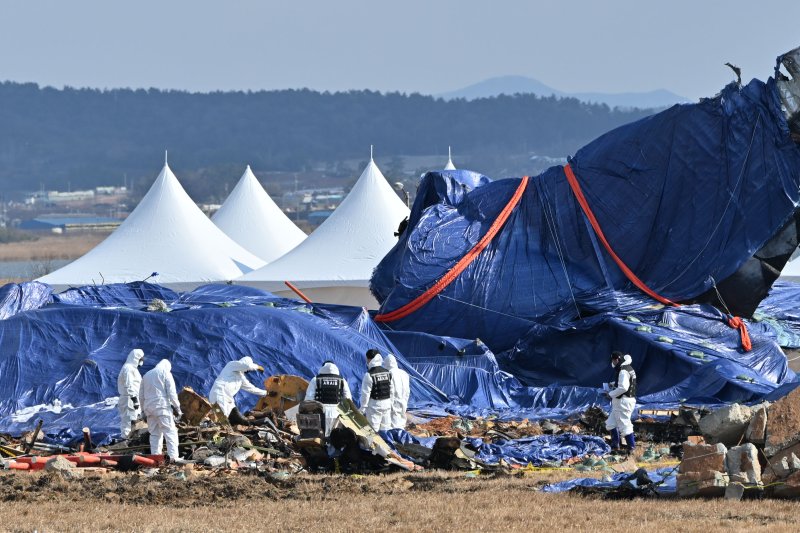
737	323
551	224
576	189
461	265
734	321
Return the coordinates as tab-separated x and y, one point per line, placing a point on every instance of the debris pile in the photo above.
750	450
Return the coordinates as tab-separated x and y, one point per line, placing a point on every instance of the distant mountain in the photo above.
523	85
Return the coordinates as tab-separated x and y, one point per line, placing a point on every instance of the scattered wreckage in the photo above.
735	451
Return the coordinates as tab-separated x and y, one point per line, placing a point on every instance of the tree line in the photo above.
86	137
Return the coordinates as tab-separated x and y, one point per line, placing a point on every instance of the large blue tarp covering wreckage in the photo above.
698	202
685	198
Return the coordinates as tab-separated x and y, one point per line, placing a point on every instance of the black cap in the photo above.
616	354
371	353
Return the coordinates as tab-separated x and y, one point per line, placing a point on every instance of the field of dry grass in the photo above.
49	247
430	501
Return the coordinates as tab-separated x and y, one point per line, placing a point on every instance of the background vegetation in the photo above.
77	138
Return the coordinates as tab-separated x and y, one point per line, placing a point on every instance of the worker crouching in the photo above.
227	385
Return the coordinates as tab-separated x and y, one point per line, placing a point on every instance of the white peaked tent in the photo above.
449	165
166	233
255	222
334	264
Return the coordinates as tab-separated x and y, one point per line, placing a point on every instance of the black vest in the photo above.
381	383
330	389
631	392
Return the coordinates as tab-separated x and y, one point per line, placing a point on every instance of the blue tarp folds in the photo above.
684	197
23	297
779	314
687	355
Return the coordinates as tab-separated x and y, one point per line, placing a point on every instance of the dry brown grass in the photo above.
49	247
430	501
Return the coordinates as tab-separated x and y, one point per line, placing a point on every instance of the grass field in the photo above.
49	247
428	501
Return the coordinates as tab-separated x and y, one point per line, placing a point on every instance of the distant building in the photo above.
62	223
57	197
111	190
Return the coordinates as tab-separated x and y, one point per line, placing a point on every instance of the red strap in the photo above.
576	189
737	323
462	264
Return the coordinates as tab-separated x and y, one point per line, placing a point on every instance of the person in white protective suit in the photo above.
128	383
376	393
328	388
623	401
161	407
227	385
401	390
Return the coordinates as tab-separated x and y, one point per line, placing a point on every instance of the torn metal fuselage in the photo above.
789	89
742	292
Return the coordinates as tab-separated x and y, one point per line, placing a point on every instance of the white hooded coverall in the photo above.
128	383
331	411
378	412
158	397
230	380
401	390
621	406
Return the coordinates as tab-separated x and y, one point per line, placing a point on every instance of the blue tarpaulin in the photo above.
530	450
70	351
687	355
664	480
60	354
685	197
23	297
779	314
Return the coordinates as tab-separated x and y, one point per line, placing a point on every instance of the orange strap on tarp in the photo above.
462	264
737	323
576	189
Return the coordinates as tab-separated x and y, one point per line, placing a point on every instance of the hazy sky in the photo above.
428	46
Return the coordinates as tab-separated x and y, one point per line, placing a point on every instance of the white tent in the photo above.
255	222
449	165
166	233
335	263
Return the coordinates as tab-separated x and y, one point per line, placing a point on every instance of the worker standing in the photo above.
401	390
376	393
328	388
227	385
161	407
623	401
128	383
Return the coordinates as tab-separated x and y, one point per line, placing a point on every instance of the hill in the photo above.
523	85
87	137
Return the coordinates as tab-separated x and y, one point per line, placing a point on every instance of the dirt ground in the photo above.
431	501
